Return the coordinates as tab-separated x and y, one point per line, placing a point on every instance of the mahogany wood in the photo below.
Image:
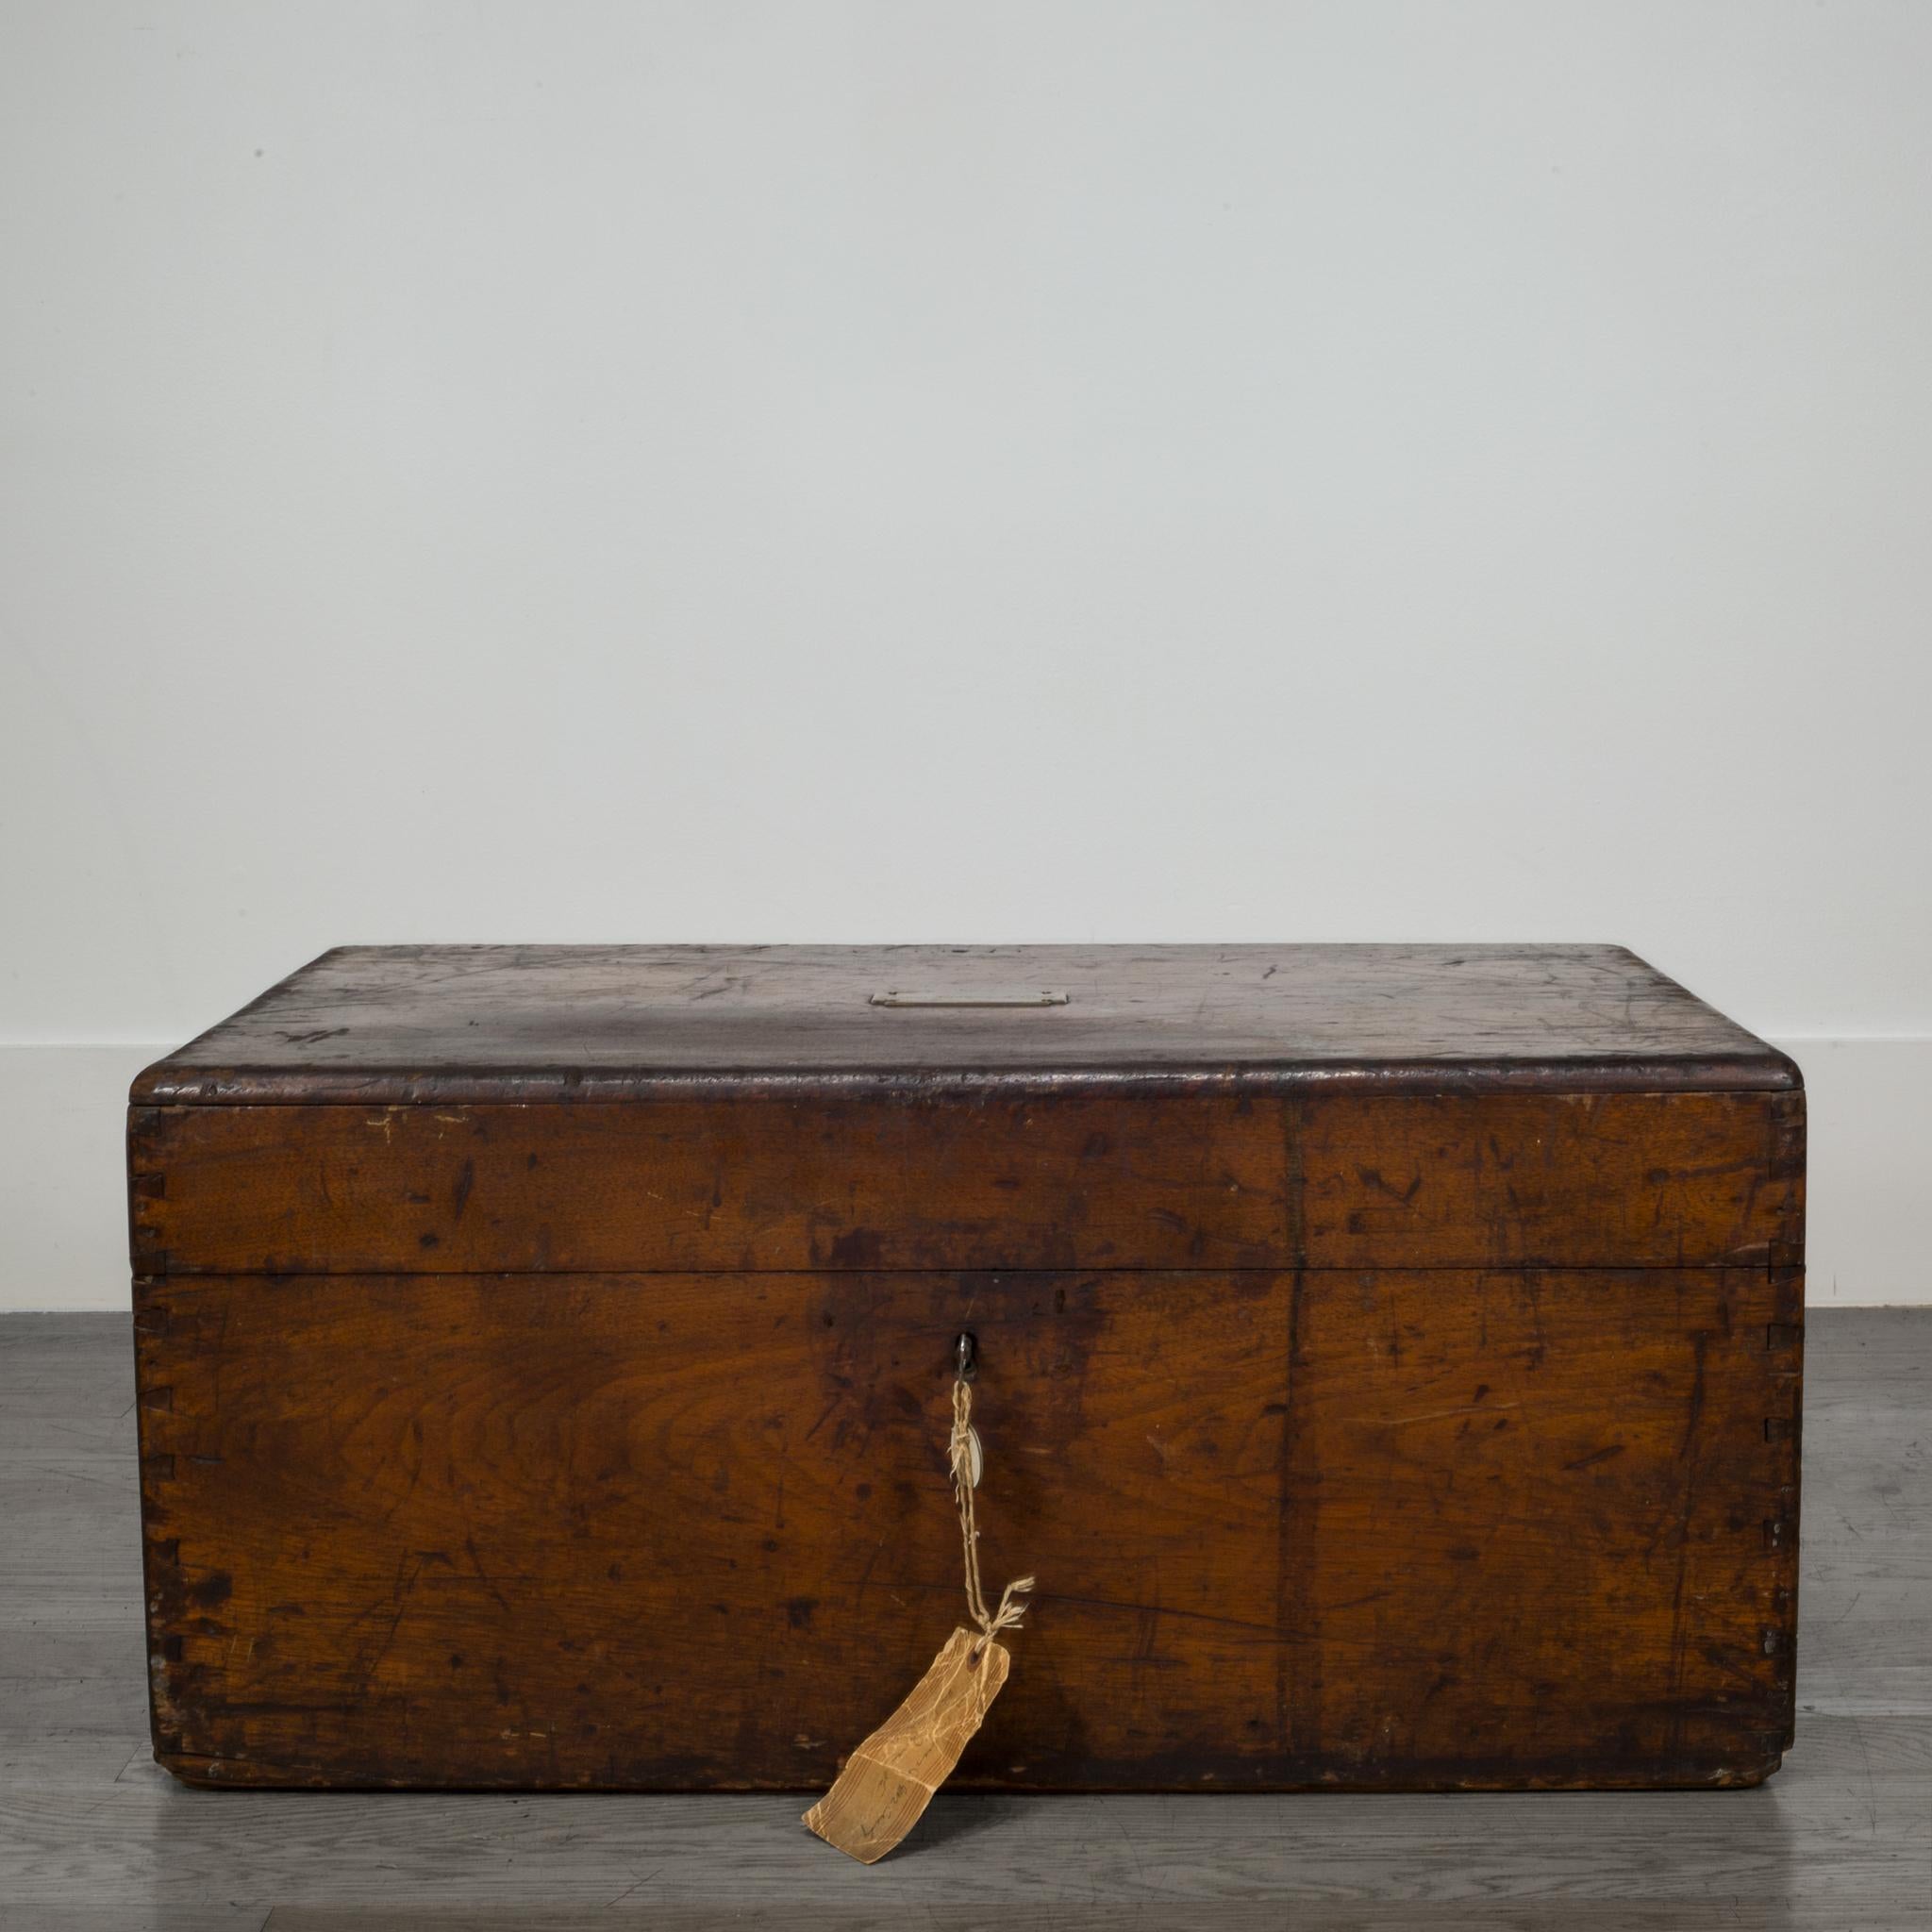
1390	1366
481	1024
1057	1180
1367	1528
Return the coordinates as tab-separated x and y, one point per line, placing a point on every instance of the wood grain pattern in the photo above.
475	1024
1379	1529
1550	1180
1055	1180
661	1531
1505	1573
1049	1181
544	1353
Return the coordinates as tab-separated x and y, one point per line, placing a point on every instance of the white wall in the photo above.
1080	470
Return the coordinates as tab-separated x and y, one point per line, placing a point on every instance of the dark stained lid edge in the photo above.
167	1084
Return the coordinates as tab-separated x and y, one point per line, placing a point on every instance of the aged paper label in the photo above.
890	1778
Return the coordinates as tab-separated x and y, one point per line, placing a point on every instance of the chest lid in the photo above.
434	1025
560	1109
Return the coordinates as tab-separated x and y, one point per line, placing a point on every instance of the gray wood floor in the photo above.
95	1838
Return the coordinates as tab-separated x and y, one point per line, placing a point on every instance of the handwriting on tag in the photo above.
888	1781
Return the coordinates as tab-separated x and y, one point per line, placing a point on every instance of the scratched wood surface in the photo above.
747	1183
1375	1528
973	1180
668	1531
543	1350
1542	1526
94	1838
479	1023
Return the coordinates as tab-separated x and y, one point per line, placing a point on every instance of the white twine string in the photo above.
1010	1611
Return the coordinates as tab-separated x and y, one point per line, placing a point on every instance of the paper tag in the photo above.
888	1781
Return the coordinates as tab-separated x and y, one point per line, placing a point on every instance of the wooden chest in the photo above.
1389	1365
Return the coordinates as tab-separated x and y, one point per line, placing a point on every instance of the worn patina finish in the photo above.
1390	1355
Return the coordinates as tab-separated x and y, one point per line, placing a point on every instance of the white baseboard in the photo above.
63	1168
63	1216
1869	1146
